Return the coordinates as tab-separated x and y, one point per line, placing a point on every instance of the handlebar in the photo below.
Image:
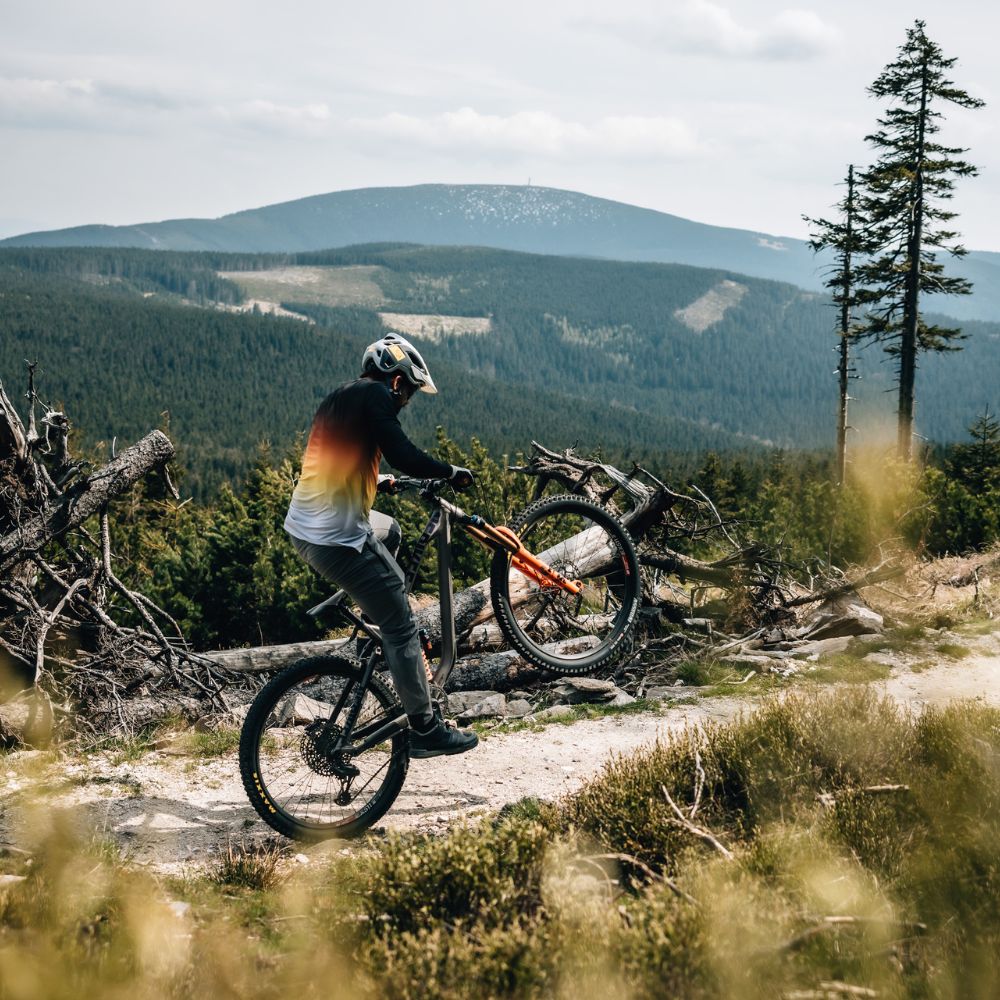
429	487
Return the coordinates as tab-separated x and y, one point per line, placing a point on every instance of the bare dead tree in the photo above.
72	633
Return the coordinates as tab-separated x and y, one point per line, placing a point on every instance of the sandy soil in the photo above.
174	812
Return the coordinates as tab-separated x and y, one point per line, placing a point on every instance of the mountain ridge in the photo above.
509	217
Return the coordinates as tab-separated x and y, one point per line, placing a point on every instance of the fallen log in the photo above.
501	671
686	568
507	670
879	574
471	607
84	500
263	659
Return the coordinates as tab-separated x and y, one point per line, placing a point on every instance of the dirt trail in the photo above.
174	813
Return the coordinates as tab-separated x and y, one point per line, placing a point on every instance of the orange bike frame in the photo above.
521	559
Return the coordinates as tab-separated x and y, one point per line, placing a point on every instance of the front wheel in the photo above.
293	780
550	627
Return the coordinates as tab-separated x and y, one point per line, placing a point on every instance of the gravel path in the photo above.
174	812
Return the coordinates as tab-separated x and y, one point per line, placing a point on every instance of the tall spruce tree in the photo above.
977	463
903	196
847	239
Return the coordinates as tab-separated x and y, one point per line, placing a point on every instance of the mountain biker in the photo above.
334	529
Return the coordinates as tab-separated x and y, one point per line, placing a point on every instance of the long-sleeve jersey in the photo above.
354	427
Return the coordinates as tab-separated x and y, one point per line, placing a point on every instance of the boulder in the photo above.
462	701
660	693
555	712
821	647
518	708
583	690
836	619
493	706
621	698
300	709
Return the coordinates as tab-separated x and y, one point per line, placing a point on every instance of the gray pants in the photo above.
376	584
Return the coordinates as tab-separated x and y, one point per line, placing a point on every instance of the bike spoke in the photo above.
299	779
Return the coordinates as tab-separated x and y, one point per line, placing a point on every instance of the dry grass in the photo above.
833	878
249	866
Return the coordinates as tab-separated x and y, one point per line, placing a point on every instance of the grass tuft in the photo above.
255	866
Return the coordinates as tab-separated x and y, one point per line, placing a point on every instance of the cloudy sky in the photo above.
736	113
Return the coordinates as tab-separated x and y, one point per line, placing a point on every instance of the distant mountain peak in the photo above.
508	217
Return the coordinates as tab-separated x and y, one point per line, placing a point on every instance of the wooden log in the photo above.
134	714
879	574
85	499
507	670
472	607
501	671
689	569
263	659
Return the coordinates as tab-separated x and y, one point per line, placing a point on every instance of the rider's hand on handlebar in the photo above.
461	479
387	485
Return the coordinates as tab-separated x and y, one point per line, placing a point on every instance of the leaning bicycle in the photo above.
324	748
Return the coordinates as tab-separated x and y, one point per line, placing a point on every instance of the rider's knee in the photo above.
399	628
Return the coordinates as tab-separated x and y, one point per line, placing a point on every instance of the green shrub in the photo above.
479	873
662	949
755	769
443	963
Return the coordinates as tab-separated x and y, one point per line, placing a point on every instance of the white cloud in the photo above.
538	133
798	34
271	116
30	101
706	28
38	102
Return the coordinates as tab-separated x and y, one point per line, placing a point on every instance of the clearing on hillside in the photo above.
707	310
356	285
434	328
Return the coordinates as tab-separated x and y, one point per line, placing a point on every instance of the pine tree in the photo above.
977	464
903	195
848	239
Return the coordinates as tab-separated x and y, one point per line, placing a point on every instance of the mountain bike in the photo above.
324	749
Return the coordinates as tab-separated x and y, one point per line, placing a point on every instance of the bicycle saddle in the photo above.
330	604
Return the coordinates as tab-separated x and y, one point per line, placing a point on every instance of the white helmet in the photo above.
396	354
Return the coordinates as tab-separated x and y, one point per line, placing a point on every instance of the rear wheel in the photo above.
550	627
293	780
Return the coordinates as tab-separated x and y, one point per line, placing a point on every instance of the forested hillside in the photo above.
513	217
223	382
639	358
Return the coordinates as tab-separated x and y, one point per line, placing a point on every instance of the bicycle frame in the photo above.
439	526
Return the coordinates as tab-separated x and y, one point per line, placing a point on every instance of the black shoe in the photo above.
440	739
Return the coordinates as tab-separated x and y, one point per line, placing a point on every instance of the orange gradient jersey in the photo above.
352	429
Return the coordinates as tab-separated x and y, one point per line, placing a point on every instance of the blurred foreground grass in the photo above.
858	855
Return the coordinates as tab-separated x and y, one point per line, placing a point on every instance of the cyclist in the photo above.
334	529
